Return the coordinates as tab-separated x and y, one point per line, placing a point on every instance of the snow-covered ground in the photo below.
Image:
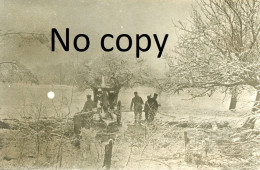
161	148
22	100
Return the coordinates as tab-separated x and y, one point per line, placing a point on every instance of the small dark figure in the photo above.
155	103
89	105
137	102
147	107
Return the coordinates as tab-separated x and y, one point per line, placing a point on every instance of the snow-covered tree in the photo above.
219	48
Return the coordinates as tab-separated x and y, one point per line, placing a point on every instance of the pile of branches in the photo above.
206	144
224	147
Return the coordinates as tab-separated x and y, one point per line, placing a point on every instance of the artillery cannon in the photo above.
105	117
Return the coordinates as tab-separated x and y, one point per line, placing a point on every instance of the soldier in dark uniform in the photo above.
137	102
155	103
89	105
147	107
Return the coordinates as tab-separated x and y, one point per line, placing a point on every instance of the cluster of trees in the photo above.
219	48
117	71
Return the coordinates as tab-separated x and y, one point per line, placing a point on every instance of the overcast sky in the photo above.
92	17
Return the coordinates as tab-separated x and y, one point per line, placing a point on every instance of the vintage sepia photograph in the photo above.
130	84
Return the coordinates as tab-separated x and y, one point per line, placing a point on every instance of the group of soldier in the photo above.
104	101
150	107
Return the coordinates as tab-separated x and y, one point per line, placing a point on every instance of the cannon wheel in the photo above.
119	113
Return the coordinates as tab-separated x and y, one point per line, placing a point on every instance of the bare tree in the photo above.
219	48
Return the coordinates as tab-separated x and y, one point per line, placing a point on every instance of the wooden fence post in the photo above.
186	142
108	154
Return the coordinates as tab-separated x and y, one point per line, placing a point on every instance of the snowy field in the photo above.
25	100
